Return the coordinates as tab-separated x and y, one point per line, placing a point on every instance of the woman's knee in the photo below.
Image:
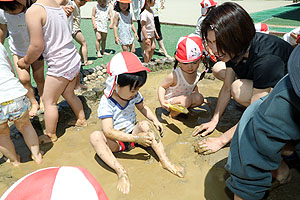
235	89
219	70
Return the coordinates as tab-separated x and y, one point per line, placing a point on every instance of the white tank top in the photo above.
182	87
59	51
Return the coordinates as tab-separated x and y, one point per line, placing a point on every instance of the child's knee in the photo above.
144	125
96	137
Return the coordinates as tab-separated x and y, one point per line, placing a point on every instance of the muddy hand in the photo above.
145	141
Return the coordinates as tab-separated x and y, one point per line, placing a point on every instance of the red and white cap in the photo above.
121	63
205	5
189	48
56	183
262	27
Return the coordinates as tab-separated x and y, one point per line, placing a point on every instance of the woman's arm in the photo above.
223	100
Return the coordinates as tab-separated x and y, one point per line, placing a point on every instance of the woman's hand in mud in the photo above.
22	64
205	128
144	140
159	127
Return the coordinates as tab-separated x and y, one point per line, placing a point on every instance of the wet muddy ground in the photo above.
205	175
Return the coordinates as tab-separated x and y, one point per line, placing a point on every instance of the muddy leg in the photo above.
144	127
104	148
7	147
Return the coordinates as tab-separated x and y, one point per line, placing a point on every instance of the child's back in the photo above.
59	51
10	87
18	38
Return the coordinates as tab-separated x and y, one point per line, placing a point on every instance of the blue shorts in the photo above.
13	109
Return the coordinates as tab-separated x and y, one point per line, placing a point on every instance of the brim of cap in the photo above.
186	61
294	69
124	1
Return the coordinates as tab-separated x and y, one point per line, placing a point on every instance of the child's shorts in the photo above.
125	146
13	109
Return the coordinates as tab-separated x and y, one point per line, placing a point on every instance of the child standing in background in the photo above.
47	24
121	131
123	24
148	29
76	32
206	7
159	4
14	107
100	14
180	86
12	20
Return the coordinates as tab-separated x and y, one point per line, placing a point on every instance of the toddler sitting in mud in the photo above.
116	110
14	107
180	86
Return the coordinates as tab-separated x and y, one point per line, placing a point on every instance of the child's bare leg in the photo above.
103	43
38	75
7	147
132	48
152	48
104	148
147	51
83	51
143	128
24	77
124	47
75	103
54	87
98	39
24	125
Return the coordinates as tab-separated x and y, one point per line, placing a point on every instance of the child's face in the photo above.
20	8
102	3
123	6
151	3
191	67
125	92
81	2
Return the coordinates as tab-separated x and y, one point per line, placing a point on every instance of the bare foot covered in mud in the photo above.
174	169
47	138
208	146
123	183
78	123
37	159
34	109
16	162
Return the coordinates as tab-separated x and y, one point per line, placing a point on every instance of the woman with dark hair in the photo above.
250	64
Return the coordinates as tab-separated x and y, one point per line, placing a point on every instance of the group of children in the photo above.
121	21
47	40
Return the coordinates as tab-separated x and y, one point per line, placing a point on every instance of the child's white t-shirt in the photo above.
18	39
148	17
287	37
10	87
124	118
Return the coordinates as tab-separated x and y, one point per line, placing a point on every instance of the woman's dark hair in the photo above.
135	80
9	5
118	9
233	27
